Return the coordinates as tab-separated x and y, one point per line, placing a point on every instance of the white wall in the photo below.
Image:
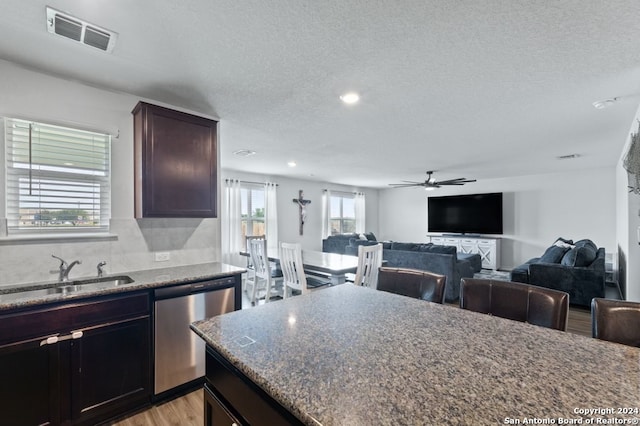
536	210
288	214
628	223
28	94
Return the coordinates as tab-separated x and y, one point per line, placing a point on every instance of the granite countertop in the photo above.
23	295
349	355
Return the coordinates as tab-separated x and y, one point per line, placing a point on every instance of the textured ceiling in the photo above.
480	89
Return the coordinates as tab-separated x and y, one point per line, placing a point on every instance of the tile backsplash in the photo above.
187	241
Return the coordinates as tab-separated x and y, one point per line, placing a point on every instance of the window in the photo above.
58	178
343	214
252	211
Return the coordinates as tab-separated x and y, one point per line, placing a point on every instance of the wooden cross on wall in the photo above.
302	208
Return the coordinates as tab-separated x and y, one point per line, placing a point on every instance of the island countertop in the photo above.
21	295
349	355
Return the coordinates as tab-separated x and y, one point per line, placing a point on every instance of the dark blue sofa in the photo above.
576	268
427	257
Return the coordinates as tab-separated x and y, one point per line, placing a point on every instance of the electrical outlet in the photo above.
162	256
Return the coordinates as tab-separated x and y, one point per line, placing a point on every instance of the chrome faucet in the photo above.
65	268
100	266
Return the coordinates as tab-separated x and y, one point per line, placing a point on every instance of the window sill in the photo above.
67	238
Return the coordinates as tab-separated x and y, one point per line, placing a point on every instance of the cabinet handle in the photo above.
55	339
49	340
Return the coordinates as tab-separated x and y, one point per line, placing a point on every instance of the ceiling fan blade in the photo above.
447	182
402	185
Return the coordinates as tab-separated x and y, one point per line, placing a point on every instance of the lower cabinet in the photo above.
487	247
77	363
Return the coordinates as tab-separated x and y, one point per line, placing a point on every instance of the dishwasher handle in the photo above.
193	288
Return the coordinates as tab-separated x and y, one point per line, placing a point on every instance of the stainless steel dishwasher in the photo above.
179	352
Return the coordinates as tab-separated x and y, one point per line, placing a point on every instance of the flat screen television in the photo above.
466	214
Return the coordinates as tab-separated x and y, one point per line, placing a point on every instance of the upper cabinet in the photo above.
175	163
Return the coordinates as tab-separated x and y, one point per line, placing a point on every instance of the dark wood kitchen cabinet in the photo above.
176	163
75	363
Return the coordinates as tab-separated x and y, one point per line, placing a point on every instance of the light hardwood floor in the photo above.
188	410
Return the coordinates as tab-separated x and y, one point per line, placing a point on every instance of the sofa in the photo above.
443	260
576	268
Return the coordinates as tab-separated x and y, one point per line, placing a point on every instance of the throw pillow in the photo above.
553	254
561	242
362	237
579	256
587	243
370	236
355	242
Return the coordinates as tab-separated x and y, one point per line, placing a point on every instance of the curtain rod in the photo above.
335	191
250	182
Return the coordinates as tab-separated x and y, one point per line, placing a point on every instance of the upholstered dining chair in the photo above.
616	321
369	261
262	276
413	283
292	269
516	301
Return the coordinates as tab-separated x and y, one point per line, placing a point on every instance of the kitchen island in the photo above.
348	355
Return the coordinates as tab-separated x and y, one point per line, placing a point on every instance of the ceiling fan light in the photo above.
429	188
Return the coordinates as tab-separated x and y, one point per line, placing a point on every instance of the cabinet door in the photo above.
176	163
110	369
31	387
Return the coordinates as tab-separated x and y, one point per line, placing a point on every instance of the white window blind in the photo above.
58	178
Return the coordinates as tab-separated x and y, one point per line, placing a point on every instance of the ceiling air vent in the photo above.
76	29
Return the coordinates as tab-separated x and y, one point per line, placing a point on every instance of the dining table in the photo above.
332	265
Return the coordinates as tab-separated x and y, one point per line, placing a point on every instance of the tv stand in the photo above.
487	247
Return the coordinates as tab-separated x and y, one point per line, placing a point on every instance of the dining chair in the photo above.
616	321
293	274
257	247
413	283
369	261
516	301
251	272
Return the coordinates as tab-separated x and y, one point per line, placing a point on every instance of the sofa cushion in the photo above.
434	248
579	256
404	246
553	254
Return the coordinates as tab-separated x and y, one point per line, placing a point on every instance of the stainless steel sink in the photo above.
89	284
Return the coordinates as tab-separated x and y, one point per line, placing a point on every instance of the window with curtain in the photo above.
342	211
58	178
252	207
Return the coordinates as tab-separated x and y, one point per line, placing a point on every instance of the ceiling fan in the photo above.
431	183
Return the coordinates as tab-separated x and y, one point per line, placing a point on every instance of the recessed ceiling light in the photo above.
605	103
350	98
292	164
244	152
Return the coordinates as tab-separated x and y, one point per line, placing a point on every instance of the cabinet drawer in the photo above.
240	395
215	413
53	319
